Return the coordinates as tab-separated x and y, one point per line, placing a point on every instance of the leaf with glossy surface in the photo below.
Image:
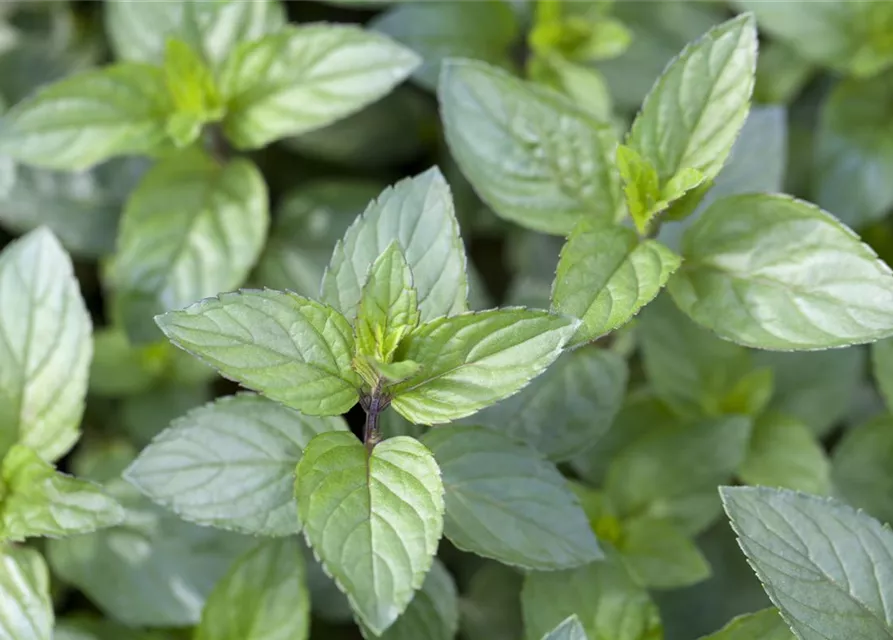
660	556
263	597
418	213
773	272
27	612
374	520
530	154
231	464
191	229
861	468
606	275
475	359
303	78
45	347
570	629
827	567
505	502
291	349
762	625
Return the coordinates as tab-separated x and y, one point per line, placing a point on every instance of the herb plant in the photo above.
500	320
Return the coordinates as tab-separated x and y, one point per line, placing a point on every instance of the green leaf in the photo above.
781	73
606	275
418	213
303	78
263	597
529	153
192	89
292	350
825	565
583	84
373	519
762	625
882	367
783	452
851	37
191	229
82	627
660	556
505	502
45	347
567	409
854	151
433	613
570	629
90	117
119	368
231	464
27	612
752	253
327	602
40	501
491	604
672	472
483	30
144	416
641	184
475	359
861	468
601	594
388	309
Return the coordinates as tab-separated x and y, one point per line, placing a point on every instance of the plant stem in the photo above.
371	434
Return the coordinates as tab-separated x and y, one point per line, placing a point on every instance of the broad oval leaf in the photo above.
45	347
861	468
606	275
418	213
191	229
82	120
291	349
695	110
570	629
826	566
231	464
773	272
761	625
882	368
504	501
27	612
303	78
373	519
475	359
263	597
531	155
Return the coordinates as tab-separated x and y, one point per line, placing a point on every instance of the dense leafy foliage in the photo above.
437	319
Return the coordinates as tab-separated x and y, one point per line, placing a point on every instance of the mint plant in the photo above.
538	320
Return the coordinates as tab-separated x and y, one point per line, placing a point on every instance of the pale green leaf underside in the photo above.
418	213
27	611
231	464
773	272
504	501
45	347
303	78
570	629
473	360
606	275
761	625
827	567
290	349
263	597
530	154
374	521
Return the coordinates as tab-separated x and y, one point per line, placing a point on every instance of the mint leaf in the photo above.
825	565
755	252
491	604
530	154
193	90
476	359
762	625
861	468
882	368
484	476
45	347
303	78
641	185
263	597
292	350
388	309
565	410
119	368
231	464
40	501
483	30
418	213
90	117
27	612
583	84
606	275
373	519
659	555
783	452
191	229
570	629
601	594
688	124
